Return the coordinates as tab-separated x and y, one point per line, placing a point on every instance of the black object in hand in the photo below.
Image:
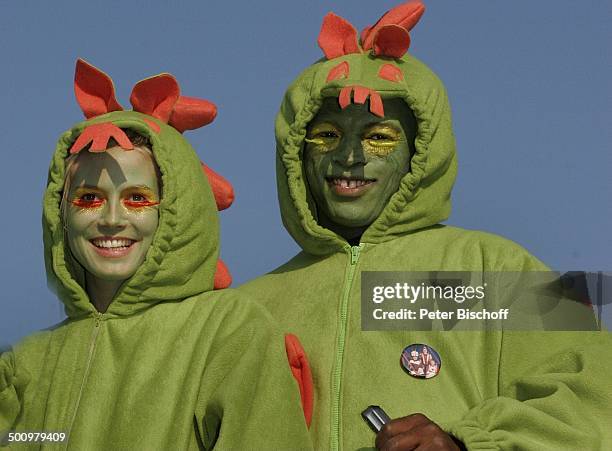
376	417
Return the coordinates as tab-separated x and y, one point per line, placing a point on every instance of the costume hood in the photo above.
182	260
373	68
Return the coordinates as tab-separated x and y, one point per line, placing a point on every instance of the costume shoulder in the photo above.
497	253
230	310
271	280
247	342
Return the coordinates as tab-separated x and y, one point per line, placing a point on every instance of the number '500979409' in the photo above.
35	437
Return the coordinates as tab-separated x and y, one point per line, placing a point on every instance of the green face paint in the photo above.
111	212
354	161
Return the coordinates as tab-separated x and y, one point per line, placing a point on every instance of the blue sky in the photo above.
530	84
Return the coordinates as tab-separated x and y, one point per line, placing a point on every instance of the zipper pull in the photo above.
97	319
355	254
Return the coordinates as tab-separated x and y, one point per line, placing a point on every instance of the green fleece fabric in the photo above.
495	390
171	364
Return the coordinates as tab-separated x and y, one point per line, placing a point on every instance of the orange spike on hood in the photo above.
94	90
405	15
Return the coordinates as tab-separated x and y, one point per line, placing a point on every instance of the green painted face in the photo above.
354	162
111	211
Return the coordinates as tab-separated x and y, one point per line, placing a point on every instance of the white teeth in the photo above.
350	183
112	243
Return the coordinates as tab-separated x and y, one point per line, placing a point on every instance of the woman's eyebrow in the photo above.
92	187
142	187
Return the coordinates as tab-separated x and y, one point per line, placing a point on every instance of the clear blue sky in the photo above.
530	85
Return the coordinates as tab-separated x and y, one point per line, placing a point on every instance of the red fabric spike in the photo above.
221	188
223	278
153	125
376	104
98	135
392	41
94	90
344	99
300	368
190	113
405	15
337	37
364	34
156	96
360	94
391	73
339	71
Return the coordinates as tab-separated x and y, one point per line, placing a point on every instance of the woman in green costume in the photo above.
150	357
365	167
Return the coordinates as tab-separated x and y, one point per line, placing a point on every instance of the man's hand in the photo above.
415	432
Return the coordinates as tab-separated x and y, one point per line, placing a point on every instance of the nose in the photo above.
350	152
113	215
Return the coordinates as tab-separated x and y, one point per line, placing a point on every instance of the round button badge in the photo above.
421	361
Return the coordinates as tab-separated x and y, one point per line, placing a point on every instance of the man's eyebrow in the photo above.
384	122
382	125
322	123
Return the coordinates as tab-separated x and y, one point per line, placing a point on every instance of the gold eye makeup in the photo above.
324	137
381	140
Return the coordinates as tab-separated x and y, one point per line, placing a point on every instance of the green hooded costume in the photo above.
519	390
171	364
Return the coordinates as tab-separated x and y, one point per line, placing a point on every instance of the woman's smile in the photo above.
113	247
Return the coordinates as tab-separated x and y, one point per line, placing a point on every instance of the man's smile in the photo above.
350	186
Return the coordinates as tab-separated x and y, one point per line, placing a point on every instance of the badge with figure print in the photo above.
421	361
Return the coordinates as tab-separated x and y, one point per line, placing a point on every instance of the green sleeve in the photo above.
554	388
249	398
10	403
554	394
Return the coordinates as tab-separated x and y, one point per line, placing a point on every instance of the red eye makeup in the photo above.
140	198
87	199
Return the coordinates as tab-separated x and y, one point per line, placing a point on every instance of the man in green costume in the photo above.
365	166
149	356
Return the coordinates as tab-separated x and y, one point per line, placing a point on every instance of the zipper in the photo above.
337	374
97	316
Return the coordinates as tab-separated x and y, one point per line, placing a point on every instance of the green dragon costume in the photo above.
495	390
171	364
